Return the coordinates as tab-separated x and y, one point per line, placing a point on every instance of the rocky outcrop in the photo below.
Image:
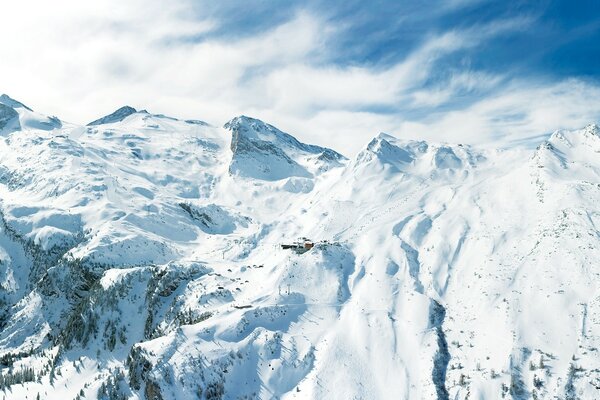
118	115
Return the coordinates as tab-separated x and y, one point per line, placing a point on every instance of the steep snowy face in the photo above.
262	151
15	116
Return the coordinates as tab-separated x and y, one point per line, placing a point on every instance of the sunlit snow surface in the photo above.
140	258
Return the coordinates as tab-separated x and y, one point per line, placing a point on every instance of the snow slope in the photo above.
140	259
16	116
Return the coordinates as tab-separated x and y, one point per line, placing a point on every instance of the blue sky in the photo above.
558	38
334	73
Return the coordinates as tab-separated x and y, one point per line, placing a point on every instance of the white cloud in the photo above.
459	83
79	60
518	111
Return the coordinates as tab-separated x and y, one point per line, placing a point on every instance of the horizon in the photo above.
528	143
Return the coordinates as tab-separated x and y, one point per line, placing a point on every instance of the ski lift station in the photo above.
300	246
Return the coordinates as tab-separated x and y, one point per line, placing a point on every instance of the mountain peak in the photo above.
243	119
15	116
250	126
587	135
10	102
117	116
385	136
262	151
385	148
244	127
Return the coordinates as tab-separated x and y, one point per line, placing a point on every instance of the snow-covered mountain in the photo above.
140	258
15	116
263	152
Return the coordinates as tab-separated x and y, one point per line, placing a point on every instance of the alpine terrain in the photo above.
147	257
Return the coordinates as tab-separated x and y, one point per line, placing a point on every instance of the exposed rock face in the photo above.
118	115
262	151
8	116
10	102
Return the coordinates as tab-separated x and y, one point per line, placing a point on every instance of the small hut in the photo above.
300	246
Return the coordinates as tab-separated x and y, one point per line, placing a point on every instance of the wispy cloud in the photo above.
78	60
